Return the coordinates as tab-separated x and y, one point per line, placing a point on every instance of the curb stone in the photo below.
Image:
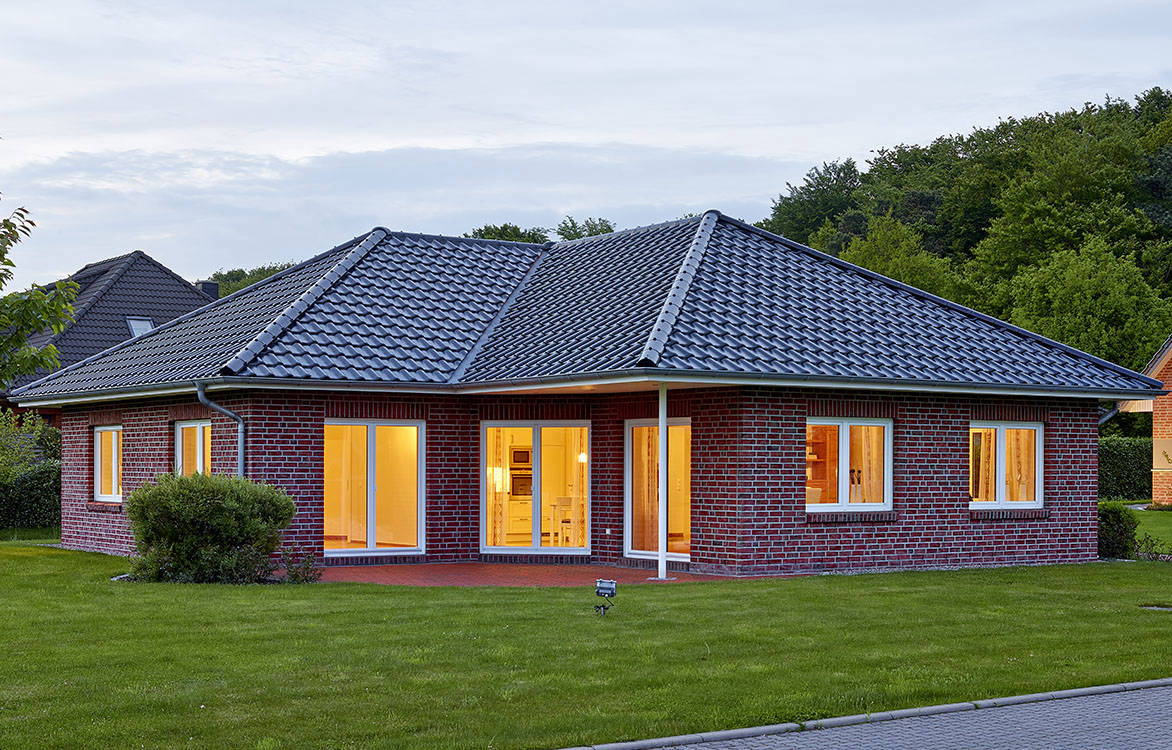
904	713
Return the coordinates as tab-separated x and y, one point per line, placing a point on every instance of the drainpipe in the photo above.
662	481
239	420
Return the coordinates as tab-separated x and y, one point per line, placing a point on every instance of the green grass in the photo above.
1158	523
90	662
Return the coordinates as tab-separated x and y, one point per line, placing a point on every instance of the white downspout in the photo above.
662	481
239	420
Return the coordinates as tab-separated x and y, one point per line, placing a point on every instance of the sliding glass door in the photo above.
642	485
374	494
536	479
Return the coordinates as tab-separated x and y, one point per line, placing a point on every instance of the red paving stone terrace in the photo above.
498	574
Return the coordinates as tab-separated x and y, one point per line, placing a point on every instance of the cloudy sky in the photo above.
223	134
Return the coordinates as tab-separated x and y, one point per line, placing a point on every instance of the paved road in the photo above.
1119	721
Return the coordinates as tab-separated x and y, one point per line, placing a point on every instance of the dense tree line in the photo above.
1060	223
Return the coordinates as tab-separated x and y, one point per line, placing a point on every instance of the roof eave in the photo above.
583	380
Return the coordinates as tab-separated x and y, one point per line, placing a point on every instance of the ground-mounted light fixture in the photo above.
606	589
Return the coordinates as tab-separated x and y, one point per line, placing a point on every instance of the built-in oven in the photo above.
522	484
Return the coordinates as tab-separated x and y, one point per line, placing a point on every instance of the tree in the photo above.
1082	181
510	233
1093	299
23	314
570	229
825	193
236	279
896	251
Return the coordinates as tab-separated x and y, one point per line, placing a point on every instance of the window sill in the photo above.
851	516
104	506
1008	514
578	551
376	552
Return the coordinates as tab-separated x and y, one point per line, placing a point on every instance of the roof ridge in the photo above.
458	373
169	271
182	318
956	306
425	235
107	279
619	232
118	258
299	305
678	293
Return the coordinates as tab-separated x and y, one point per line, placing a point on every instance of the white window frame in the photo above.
202	452
535	426
1000	503
115	468
372	488
628	433
844	505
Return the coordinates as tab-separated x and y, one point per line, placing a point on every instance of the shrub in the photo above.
1125	468
1117	525
32	498
300	565
1148	547
206	529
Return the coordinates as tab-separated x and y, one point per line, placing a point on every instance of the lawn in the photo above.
1158	523
90	662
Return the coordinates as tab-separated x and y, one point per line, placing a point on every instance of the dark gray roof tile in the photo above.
706	294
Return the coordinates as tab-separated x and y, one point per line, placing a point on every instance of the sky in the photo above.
219	135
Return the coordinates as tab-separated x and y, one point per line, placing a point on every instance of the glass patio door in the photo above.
643	488
373	495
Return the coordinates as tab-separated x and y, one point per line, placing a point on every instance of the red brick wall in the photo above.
748	489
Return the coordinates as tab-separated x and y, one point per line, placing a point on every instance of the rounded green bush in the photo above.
1117	525
206	529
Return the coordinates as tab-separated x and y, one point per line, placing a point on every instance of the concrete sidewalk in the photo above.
1133	715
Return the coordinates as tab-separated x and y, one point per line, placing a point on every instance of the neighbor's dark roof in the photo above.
706	294
134	285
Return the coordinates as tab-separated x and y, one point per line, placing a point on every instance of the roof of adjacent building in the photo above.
703	296
110	291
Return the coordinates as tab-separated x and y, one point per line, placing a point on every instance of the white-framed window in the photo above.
1006	464
848	464
374	496
193	447
108	464
641	488
535	487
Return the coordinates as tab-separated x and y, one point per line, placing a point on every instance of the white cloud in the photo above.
139	120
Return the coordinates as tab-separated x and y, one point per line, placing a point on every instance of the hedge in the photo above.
1125	468
32	498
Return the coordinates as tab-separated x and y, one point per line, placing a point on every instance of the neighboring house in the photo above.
1160	368
428	398
116	299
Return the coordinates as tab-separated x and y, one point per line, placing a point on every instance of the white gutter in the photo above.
239	420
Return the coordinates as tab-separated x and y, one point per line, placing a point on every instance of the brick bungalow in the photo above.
433	399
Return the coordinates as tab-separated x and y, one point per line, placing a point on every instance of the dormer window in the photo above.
139	326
